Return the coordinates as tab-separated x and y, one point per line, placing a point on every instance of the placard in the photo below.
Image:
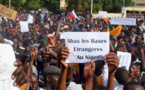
7	59
86	46
123	21
103	14
24	26
30	19
62	5
124	59
8	13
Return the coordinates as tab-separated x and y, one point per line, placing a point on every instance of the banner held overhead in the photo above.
8	13
123	21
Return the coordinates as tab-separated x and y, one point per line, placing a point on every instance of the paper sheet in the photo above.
86	46
24	26
30	19
125	59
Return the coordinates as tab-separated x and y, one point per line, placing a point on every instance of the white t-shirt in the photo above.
74	86
105	79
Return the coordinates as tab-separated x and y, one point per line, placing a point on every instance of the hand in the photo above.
43	44
33	51
141	49
1	38
64	55
19	74
135	73
47	51
113	62
89	70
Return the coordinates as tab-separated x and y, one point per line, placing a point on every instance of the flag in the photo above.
116	31
106	19
73	15
108	30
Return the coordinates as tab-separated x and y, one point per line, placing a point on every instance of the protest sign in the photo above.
62	5
30	19
125	59
8	13
103	14
123	21
7	59
86	46
24	26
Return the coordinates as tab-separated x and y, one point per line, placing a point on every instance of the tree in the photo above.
17	4
97	6
115	6
33	4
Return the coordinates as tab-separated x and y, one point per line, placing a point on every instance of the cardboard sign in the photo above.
8	13
86	46
125	59
30	19
24	26
123	21
103	14
7	59
62	5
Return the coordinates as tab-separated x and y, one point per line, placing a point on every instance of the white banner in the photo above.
103	14
86	46
123	21
30	19
24	26
124	59
7	59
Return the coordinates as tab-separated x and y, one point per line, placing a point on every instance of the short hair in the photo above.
129	85
100	87
51	70
122	76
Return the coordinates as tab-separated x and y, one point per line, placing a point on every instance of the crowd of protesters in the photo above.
40	54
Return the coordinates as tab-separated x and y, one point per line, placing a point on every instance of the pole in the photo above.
91	6
9	3
123	7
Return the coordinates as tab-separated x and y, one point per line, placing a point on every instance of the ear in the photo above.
48	78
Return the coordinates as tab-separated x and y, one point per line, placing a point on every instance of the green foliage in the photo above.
115	5
78	5
33	4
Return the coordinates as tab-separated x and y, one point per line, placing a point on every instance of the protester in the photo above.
41	54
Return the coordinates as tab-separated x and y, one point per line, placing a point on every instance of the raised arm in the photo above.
88	75
58	30
58	47
19	36
113	63
61	85
142	58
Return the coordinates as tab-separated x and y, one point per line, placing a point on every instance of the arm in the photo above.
21	77
61	85
89	69
113	63
142	59
20	37
58	30
1	39
48	51
58	47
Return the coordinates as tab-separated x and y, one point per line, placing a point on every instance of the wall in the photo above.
109	15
